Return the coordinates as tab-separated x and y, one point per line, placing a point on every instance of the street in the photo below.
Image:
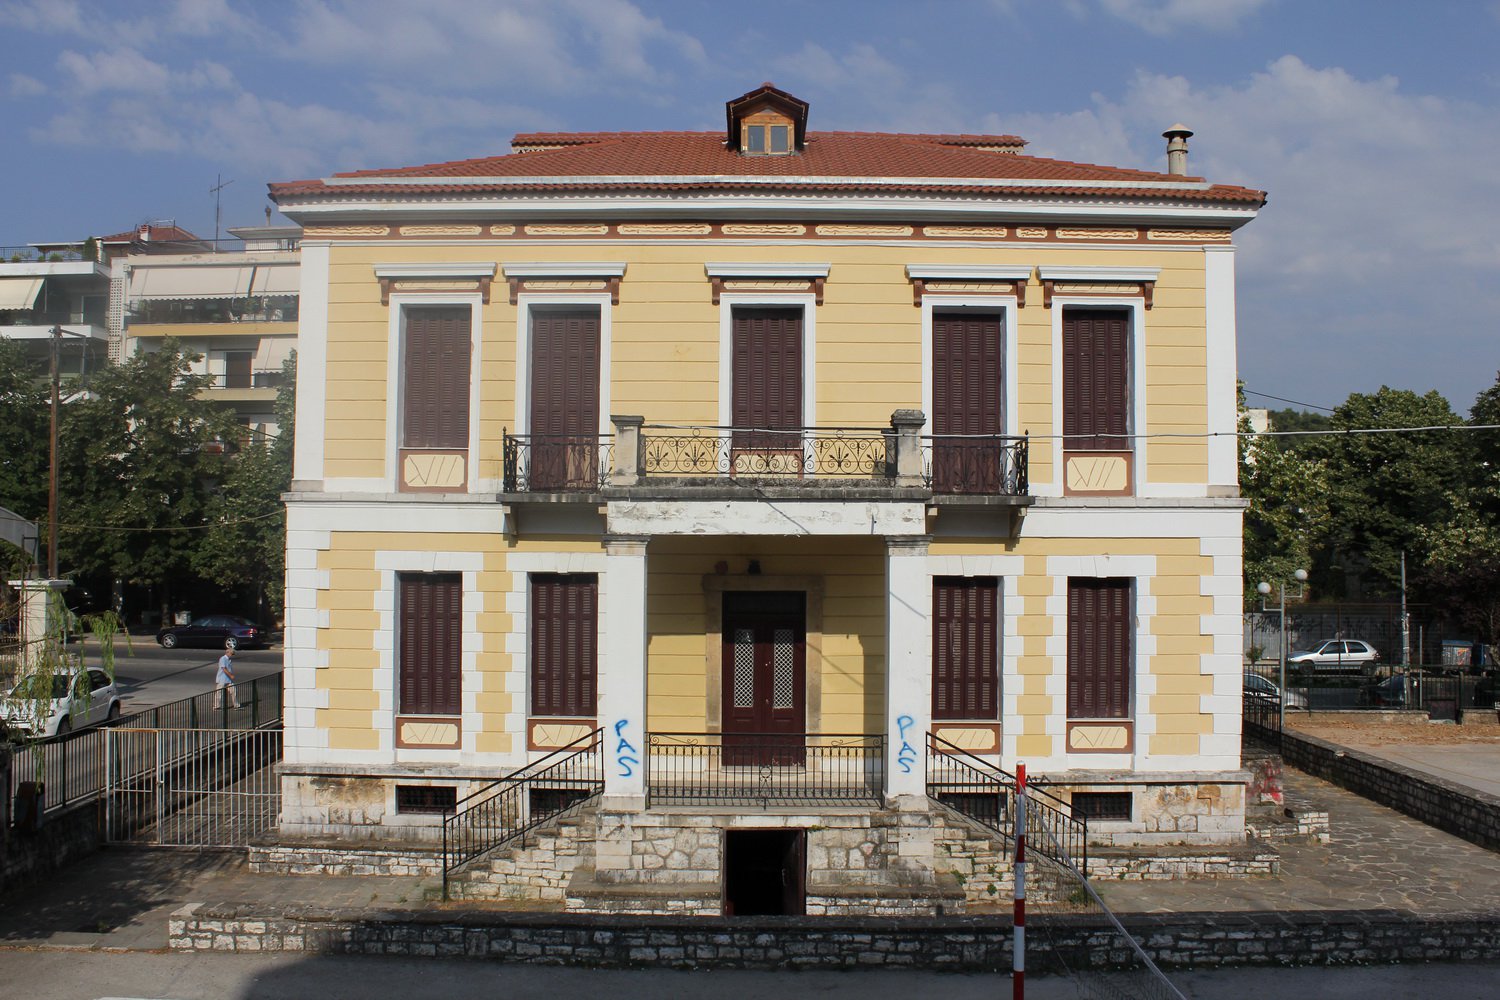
148	675
72	975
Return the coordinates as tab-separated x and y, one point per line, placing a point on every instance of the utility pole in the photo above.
219	185
1405	619
52	458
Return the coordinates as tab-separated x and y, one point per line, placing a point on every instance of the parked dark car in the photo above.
214	632
1387	693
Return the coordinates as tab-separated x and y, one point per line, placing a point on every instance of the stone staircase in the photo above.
537	867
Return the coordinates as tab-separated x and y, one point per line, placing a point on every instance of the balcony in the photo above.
764	769
642	461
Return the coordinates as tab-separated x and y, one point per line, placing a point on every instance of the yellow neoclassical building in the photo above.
756	501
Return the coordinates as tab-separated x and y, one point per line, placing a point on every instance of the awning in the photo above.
190	282
276	279
19	293
272	352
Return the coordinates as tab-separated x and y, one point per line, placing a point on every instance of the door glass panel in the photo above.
744	667
784	694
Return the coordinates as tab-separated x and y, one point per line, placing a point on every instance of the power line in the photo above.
1200	435
1294	402
179	527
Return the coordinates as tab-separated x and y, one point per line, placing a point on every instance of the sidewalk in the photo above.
120	898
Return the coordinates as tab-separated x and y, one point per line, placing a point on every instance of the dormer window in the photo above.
770	137
766	122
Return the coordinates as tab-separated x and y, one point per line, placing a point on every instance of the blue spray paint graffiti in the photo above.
625	751
906	754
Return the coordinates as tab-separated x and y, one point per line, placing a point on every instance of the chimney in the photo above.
144	233
1177	137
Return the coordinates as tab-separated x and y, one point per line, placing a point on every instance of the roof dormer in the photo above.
766	122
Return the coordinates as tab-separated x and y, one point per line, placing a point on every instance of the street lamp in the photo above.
1264	589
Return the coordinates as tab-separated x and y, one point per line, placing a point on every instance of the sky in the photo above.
1374	125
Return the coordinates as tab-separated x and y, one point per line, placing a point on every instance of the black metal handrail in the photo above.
764	768
556	463
986	794
513	806
976	465
767	452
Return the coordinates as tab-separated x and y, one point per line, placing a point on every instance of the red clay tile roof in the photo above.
832	161
164	233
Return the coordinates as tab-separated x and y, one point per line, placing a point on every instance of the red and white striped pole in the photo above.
1018	945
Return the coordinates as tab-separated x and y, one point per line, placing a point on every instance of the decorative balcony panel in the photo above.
976	465
551	463
758	453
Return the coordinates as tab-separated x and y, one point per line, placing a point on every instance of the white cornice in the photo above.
968	272
1097	274
329	208
564	269
779	269
485	269
653	180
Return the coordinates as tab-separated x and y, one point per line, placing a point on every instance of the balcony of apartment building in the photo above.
60	289
641	461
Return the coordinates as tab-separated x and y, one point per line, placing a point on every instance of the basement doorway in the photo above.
765	873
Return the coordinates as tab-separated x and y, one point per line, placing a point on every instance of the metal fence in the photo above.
556	463
191	787
976	465
764	768
71	768
766	453
1443	696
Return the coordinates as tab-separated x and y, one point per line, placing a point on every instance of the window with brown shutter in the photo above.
435	377
1096	379
1099	648
966	647
564	645
967	400
429	634
564	398
767	377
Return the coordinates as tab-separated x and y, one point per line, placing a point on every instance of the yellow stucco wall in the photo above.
666	329
850	654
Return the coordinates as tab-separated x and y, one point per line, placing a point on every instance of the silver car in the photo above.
1335	654
1266	692
65	701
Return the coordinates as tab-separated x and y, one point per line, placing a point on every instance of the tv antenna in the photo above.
220	185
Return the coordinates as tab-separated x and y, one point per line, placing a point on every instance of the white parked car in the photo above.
1335	654
1258	688
71	701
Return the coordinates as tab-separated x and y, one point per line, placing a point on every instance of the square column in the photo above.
908	687
42	617
622	674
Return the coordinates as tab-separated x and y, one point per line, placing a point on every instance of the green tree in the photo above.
24	417
1384	488
247	546
142	455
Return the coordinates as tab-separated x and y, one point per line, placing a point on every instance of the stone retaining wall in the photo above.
1457	809
63	838
303	857
1184	940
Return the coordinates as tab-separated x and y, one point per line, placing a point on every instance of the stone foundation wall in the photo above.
1169	813
978	944
331	857
63	837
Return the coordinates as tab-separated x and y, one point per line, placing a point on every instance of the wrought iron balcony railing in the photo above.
556	463
975	465
764	768
755	452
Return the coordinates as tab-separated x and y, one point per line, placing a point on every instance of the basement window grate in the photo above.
425	800
1103	805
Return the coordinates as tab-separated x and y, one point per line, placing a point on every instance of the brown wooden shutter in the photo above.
967	399
1099	648
564	398
430	632
564	645
767	364
237	371
1096	379
435	389
966	648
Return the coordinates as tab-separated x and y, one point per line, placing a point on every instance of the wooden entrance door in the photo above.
764	701
967	399
766	396
564	399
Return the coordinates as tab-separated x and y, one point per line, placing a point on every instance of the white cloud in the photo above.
21	85
119	69
1168	17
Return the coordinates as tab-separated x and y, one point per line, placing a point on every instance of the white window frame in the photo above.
728	302
526	304
1137	444
1003	304
395	367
